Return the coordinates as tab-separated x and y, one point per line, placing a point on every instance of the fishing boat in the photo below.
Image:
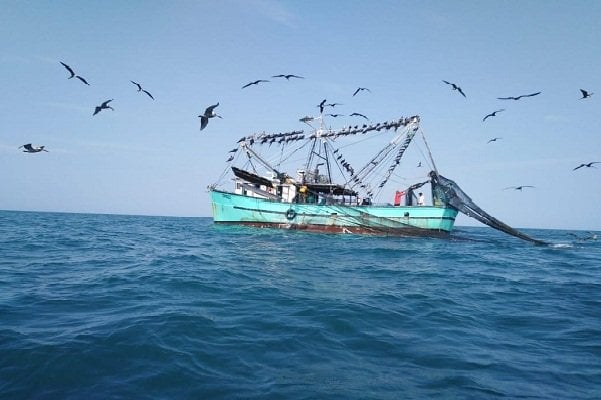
327	193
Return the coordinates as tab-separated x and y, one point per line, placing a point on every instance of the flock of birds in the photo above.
210	110
585	94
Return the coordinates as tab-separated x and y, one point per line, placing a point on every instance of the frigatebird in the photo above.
360	89
30	149
103	106
493	139
254	83
209	113
492	114
518	187
588	165
322	105
519	97
359	115
585	94
336	115
287	76
142	90
73	73
455	87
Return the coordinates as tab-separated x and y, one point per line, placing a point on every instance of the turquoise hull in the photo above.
231	208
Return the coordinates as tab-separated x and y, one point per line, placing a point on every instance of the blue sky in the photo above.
149	157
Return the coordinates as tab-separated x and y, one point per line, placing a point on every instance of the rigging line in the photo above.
429	152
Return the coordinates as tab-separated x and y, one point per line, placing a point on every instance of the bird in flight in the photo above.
142	90
419	164
585	94
322	105
359	115
519	97
518	187
588	165
333	104
30	149
288	76
360	89
493	139
103	106
335	115
209	113
455	87
254	83
73	73
492	114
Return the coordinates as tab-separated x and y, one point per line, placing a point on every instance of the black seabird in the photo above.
359	115
585	94
103	106
209	113
360	89
588	165
492	114
254	83
494	139
455	87
30	149
288	76
142	90
518	187
519	97
73	73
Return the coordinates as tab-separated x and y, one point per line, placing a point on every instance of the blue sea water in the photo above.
106	306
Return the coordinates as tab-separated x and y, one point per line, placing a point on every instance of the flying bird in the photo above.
519	97
209	113
288	76
359	115
103	106
73	73
455	87
333	104
492	114
336	115
306	119
493	139
360	89
142	90
254	83
585	94
588	165
419	164
30	149
518	187
322	105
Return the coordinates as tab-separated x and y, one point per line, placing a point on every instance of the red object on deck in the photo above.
398	196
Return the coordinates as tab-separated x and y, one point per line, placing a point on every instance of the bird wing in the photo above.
489	115
106	104
68	69
148	93
531	94
580	166
447	82
356	91
210	109
460	91
27	147
248	84
138	85
279	76
81	79
204	121
507	98
97	110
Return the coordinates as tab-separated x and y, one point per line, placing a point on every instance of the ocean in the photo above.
134	307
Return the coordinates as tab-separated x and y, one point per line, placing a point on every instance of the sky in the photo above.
149	157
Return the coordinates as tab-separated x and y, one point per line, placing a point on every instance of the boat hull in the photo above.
231	208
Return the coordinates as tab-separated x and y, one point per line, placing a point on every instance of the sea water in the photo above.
107	306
